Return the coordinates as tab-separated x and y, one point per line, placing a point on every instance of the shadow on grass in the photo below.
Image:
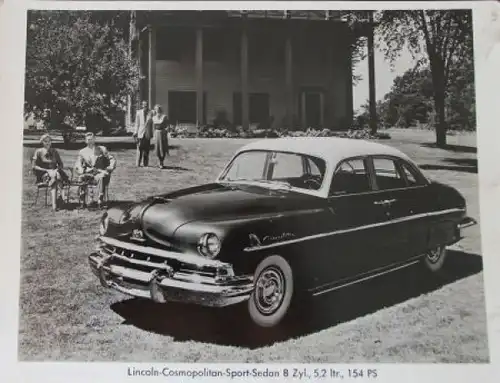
231	325
177	168
74	204
453	148
467	165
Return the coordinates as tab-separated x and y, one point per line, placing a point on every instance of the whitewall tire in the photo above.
273	291
434	259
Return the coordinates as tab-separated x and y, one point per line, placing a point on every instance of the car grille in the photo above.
147	262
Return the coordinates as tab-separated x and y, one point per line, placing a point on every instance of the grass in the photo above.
404	317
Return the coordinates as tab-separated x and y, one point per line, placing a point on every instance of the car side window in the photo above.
412	177
313	168
387	174
351	177
287	165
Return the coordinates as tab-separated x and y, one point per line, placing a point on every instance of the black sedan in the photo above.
287	218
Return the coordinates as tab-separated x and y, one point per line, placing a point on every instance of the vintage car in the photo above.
287	218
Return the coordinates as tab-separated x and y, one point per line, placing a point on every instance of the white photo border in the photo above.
12	61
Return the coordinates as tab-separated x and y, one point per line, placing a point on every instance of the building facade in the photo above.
272	70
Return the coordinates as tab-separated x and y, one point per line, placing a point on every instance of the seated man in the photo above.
94	165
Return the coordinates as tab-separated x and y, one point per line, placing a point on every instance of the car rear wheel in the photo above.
272	295
434	259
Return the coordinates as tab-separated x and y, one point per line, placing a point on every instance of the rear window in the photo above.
387	174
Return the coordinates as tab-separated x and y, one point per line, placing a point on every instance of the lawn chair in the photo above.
90	191
41	186
44	186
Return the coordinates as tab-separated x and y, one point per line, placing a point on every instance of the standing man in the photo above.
94	165
142	134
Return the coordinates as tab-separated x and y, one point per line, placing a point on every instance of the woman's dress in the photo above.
50	160
160	136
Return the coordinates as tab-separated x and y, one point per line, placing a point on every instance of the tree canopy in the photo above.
78	63
410	101
445	39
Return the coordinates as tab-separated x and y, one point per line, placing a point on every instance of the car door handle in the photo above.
384	202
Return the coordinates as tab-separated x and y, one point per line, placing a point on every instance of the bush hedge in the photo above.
213	132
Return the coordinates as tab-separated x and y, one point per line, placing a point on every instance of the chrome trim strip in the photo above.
229	298
131	291
344	231
365	278
161	266
181	280
468	222
203	284
121	271
189	277
377	191
139	262
214	289
325	286
193	259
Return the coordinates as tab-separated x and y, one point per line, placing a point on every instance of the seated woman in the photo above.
48	169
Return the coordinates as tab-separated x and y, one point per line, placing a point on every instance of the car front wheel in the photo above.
434	258
273	291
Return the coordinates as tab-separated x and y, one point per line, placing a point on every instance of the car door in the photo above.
358	221
402	202
417	201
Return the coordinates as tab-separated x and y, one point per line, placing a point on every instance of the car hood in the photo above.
162	215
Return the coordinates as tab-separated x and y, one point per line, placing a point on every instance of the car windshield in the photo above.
276	169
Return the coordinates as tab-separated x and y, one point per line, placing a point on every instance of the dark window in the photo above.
258	108
214	44
313	167
266	48
351	177
172	43
182	107
387	174
311	108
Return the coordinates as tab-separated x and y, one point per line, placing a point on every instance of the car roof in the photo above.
331	149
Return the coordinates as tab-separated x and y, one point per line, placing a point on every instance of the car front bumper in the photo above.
163	284
466	222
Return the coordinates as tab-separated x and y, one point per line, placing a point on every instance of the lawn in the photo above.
405	317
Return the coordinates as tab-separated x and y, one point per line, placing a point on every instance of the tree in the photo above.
78	63
460	97
410	98
446	38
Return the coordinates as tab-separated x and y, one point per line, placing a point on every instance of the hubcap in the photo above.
434	255
270	290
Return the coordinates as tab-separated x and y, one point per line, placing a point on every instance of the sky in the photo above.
384	77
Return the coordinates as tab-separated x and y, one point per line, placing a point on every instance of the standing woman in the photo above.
160	122
48	168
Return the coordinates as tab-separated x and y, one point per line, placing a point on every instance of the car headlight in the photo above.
103	227
209	245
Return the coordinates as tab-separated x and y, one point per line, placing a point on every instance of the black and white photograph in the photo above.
267	185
